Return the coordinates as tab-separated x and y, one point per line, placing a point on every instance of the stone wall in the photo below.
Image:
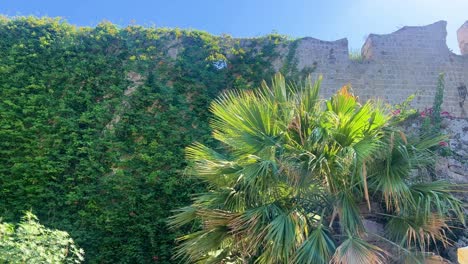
462	36
393	66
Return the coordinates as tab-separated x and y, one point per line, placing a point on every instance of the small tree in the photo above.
295	178
31	242
432	117
438	100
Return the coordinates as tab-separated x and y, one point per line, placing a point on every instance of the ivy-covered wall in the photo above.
94	121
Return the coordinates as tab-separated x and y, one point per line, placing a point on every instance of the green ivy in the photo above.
94	122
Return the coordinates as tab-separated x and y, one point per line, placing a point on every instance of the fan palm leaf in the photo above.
355	250
290	164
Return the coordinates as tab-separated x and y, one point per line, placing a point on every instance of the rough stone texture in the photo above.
136	80
457	129
455	167
394	66
374	230
173	48
462	35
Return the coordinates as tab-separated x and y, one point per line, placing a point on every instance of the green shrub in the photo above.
31	242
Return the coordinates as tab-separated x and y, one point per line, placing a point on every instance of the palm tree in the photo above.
295	178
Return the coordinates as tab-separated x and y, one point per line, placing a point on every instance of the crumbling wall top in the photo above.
424	41
314	51
462	35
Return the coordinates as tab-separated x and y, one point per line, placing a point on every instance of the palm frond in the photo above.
197	246
355	250
182	216
318	248
367	148
348	211
309	95
245	121
418	231
211	166
436	197
251	225
258	173
282	235
390	172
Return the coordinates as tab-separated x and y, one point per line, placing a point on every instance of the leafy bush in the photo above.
31	242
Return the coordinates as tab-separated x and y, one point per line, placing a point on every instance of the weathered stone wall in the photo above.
462	36
393	66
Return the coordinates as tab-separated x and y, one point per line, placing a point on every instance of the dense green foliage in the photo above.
31	242
94	122
298	179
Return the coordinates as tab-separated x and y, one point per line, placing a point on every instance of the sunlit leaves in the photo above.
293	165
31	242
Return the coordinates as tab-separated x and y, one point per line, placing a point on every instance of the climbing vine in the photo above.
94	122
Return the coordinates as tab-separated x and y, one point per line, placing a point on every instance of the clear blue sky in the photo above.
327	20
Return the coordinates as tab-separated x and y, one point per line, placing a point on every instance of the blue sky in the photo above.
327	20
